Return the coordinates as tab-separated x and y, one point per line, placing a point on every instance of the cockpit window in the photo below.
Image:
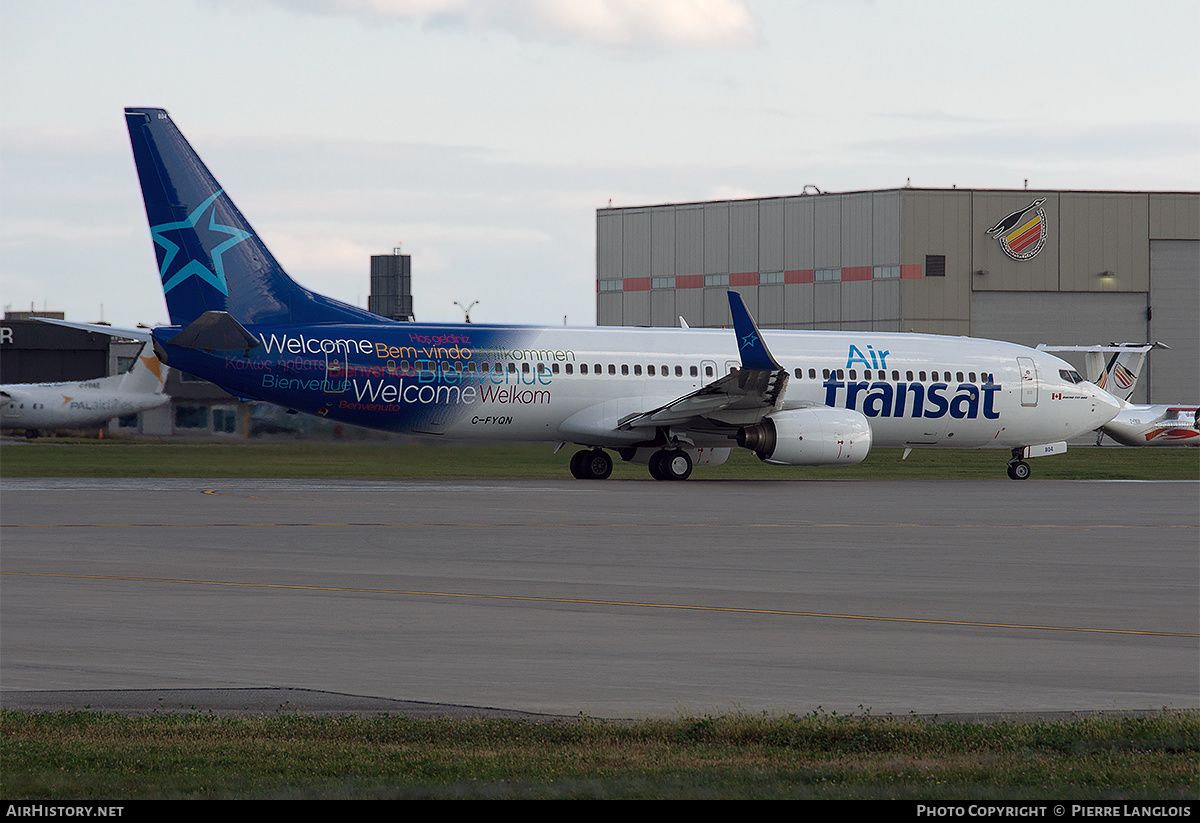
1070	375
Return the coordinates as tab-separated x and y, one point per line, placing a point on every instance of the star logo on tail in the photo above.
175	268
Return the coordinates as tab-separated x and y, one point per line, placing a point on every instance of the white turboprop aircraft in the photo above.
667	398
34	406
1135	425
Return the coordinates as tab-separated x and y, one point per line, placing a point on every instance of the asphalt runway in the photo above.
615	599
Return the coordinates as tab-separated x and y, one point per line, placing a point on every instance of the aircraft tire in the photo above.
594	464
675	465
653	466
1019	470
577	463
656	465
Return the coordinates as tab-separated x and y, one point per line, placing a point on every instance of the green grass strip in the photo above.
87	755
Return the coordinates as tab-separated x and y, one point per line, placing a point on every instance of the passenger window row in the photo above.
487	366
637	370
909	375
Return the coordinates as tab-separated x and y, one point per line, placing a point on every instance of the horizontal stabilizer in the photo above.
132	334
1111	347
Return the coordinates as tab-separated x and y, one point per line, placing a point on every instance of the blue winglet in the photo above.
754	351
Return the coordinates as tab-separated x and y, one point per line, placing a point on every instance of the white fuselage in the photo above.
1154	426
64	405
572	384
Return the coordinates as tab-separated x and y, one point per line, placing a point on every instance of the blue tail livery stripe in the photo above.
209	257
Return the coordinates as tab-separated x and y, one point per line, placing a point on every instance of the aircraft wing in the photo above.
752	391
740	397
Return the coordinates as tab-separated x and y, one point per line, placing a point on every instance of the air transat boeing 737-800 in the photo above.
668	398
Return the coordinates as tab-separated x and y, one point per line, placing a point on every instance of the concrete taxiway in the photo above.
611	599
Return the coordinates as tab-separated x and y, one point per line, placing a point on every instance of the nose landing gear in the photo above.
1018	469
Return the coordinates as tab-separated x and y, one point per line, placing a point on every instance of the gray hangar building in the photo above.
1053	267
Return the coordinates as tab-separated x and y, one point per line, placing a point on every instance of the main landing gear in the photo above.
591	464
1018	469
665	464
670	464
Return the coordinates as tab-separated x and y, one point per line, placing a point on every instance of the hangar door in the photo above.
1174	309
1061	319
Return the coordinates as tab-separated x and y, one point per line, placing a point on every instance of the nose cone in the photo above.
1104	406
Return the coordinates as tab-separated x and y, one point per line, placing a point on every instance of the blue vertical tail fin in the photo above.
209	258
754	351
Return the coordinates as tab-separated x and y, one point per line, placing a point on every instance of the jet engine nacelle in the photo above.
809	437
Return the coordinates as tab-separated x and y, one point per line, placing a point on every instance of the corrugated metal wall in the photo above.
866	261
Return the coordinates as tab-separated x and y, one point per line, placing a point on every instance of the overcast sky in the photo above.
482	135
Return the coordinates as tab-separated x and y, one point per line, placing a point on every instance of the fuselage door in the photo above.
336	375
1029	381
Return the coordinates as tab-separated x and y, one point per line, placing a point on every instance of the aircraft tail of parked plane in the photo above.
667	398
35	406
1116	368
147	376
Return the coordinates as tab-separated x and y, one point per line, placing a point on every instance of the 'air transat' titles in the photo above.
881	399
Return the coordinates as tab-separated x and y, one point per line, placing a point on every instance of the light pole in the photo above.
467	309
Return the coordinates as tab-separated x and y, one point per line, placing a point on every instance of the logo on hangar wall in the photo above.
1023	233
